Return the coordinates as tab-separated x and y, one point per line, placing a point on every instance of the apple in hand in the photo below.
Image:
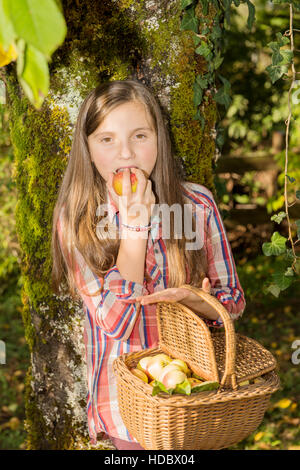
157	364
118	182
140	374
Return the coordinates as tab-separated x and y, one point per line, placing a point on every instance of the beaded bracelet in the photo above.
139	228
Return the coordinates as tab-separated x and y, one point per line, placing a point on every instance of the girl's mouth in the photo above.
123	168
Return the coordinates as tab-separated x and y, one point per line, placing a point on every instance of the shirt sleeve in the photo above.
114	310
225	285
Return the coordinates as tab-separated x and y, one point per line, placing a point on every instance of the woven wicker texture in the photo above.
203	420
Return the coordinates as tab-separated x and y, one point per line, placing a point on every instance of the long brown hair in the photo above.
83	190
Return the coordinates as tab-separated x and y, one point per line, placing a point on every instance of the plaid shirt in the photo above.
114	326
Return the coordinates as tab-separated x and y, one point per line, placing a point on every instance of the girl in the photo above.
120	278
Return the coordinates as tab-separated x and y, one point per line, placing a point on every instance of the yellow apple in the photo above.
166	369
118	182
157	364
140	374
244	383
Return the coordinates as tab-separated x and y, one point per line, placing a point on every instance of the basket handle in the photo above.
229	373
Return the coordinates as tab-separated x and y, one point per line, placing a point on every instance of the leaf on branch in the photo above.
34	75
251	14
281	280
273	289
276	246
222	96
7	32
190	21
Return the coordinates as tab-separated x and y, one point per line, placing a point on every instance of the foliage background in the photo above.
258	109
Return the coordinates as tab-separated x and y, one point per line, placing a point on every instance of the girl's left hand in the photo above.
174	294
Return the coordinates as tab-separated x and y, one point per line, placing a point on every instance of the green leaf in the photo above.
39	22
276	71
186	3
273	289
276	246
204	4
7	32
298	194
218	61
198	93
297	222
184	388
278	218
289	272
204	50
222	96
206	386
190	21
34	75
282	281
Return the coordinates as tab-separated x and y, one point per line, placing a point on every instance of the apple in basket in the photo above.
172	377
140	374
143	364
156	365
118	182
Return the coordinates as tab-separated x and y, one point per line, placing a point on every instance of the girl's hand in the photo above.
174	294
135	208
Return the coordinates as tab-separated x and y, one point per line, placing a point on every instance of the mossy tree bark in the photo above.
106	40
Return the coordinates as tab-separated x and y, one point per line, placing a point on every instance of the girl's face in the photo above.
125	138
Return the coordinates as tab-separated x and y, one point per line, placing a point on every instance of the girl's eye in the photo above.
140	135
105	139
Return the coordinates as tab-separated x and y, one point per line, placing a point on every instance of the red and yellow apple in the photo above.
172	378
118	182
140	374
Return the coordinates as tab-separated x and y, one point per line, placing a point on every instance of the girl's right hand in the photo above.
135	208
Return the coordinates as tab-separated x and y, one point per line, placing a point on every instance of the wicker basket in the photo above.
204	420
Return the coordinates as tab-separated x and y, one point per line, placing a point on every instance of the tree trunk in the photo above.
106	40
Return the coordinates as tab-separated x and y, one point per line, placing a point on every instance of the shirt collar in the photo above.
113	216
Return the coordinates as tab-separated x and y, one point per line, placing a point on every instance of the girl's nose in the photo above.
126	150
